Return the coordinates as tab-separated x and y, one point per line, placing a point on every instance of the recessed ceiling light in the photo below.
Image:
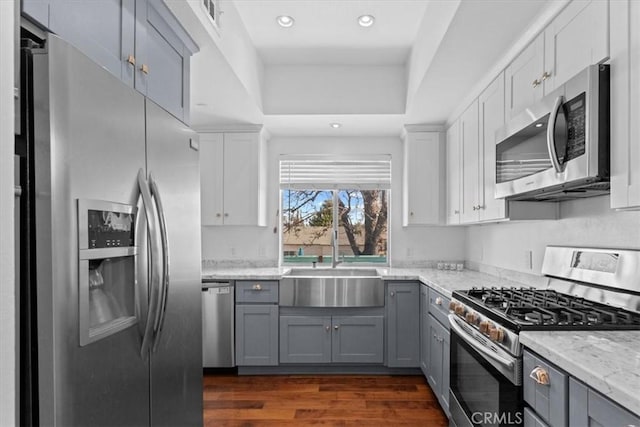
366	20
285	21
335	125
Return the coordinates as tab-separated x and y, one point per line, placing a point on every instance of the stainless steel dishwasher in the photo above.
218	347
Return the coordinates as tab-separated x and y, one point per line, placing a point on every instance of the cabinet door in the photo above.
101	29
589	408
491	106
453	174
423	178
242	165
446	368
305	339
162	61
434	369
548	400
523	78
576	38
211	177
256	335
403	325
625	104
357	339
424	329
469	208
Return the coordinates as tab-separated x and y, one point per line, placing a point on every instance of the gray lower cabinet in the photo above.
589	408
256	334
424	329
438	361
331	339
402	307
546	397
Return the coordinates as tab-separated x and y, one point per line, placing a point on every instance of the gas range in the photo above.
587	289
567	304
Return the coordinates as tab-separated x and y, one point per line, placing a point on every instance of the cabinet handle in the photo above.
218	215
144	68
438	301
540	375
546	75
456	212
392	294
131	60
411	213
336	327
327	328
257	287
536	83
226	214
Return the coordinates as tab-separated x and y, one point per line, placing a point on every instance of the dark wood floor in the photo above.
345	400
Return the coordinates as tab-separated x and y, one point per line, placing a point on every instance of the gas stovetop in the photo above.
542	309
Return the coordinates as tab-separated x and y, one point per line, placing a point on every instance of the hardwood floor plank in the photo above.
330	400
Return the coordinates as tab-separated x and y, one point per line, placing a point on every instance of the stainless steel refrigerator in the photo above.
115	238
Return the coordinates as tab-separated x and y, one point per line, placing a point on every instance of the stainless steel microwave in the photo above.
558	149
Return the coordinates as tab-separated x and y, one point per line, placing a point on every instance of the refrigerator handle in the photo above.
164	293
155	274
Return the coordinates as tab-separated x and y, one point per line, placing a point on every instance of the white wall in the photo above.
588	222
7	279
261	245
334	89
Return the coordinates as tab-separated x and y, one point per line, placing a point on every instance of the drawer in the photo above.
257	291
439	307
549	401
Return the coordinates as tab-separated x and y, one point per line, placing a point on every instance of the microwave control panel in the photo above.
576	128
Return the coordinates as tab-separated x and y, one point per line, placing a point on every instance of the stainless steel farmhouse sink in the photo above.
336	287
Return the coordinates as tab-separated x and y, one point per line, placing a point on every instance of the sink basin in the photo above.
331	287
332	272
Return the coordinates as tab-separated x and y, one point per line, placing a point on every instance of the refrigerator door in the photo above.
89	140
176	355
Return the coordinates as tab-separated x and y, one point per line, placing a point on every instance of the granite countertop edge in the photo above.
607	361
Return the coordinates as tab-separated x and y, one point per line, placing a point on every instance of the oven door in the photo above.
480	392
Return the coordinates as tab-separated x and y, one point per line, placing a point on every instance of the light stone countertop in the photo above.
607	361
441	280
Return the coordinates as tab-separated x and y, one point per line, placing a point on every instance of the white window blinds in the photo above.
323	173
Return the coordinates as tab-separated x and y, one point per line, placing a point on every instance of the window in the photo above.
213	10
323	199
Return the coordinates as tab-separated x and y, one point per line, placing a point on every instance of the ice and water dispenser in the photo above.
107	268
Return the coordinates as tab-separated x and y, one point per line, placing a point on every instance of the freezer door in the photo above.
89	142
176	355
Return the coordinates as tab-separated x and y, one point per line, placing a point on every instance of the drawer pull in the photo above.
327	328
540	375
257	287
438	301
131	60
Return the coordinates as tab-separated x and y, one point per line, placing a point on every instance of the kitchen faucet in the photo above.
334	249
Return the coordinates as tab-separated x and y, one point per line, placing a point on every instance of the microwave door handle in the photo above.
154	249
551	137
160	316
472	342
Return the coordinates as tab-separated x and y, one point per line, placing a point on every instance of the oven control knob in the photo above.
496	334
472	317
459	310
453	305
485	326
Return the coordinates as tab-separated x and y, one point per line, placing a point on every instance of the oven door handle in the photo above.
472	342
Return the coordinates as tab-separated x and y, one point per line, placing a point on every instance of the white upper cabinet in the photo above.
625	104
491	104
424	178
576	38
453	173
469	138
523	78
232	178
